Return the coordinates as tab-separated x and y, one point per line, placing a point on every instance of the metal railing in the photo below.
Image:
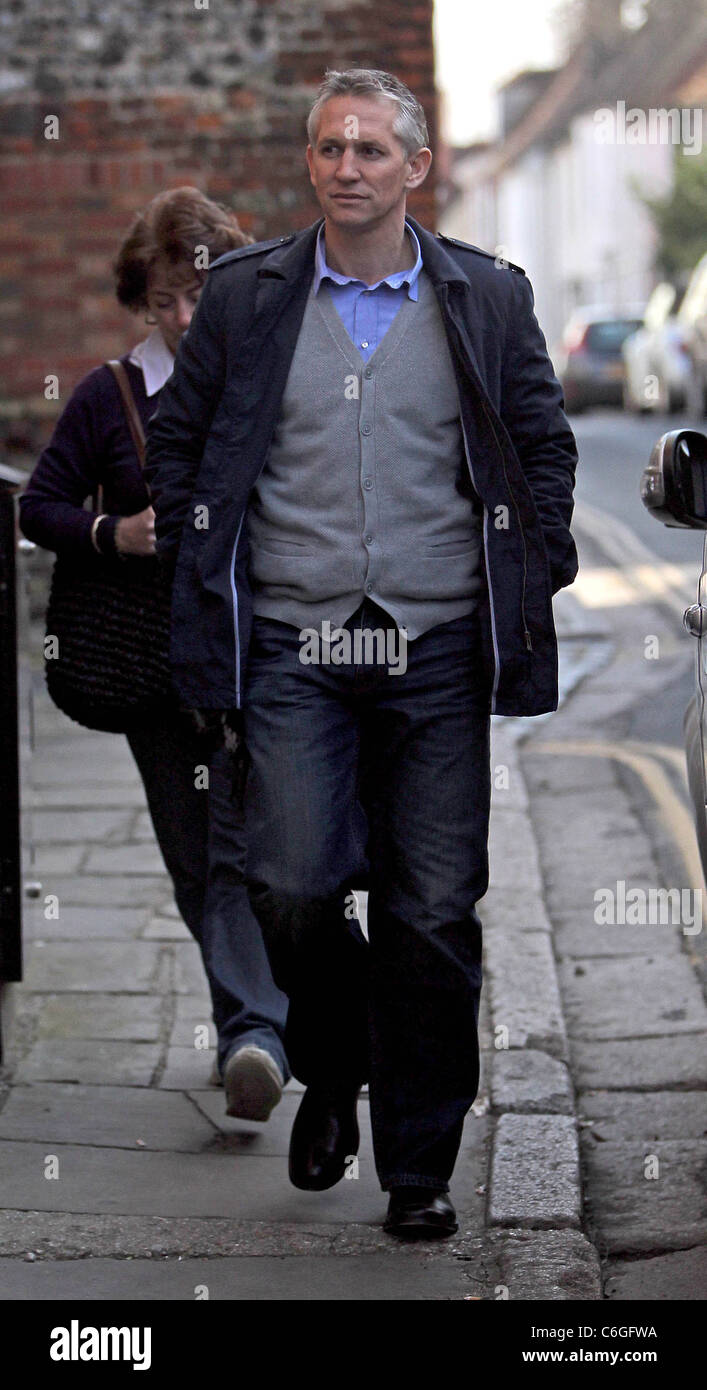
10	853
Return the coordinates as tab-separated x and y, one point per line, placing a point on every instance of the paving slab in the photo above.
83	923
190	1032
571	887
619	1115
508	790
60	827
656	995
589	841
193	1009
484	1029
244	1187
121	1017
168	907
138	858
508	793
509	910
113	1116
93	890
92	966
186	1068
641	1064
103	794
44	861
587	819
218	1182
558	774
142	827
577	935
628	1211
298	1278
513	855
548	1266
271	1139
534	1172
165	929
52	1235
680	1275
189	976
523	992
530	1081
90	1060
61	767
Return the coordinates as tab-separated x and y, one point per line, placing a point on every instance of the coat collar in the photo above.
296	258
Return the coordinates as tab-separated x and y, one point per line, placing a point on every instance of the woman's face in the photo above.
172	295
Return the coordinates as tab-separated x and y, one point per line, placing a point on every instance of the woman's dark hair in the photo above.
173	227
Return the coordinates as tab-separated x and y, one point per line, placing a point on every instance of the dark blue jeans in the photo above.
201	835
411	751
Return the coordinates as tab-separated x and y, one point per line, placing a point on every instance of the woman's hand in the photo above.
135	535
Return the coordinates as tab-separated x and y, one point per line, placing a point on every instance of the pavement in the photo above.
608	806
124	1179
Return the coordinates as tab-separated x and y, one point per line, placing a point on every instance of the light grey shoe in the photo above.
253	1083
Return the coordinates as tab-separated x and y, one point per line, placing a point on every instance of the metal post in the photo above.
10	894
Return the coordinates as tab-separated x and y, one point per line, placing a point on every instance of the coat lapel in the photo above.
451	286
286	272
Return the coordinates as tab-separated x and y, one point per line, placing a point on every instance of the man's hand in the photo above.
135	535
223	728
219	728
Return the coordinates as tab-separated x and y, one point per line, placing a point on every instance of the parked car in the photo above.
656	356
674	489
588	361
692	320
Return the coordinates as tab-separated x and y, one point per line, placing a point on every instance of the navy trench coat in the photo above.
209	438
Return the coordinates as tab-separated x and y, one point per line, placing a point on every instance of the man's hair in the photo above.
409	125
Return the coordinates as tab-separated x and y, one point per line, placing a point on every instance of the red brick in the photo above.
69	204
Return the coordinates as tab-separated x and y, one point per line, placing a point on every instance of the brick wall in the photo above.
153	95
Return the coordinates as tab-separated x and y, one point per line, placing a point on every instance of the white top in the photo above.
155	359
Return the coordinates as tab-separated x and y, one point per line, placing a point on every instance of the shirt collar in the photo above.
155	359
322	271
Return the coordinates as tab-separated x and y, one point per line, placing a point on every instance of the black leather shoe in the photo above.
324	1134
420	1213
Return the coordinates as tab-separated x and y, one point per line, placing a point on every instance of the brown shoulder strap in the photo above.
131	410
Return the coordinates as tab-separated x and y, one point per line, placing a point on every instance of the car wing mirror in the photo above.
674	484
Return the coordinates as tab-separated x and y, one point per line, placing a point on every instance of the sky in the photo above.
478	46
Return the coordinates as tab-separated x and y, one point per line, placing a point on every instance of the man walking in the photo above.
363	434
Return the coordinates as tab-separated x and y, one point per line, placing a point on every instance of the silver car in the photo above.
674	489
656	356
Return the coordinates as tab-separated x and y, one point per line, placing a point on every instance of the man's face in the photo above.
358	167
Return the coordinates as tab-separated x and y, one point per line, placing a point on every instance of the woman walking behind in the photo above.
93	446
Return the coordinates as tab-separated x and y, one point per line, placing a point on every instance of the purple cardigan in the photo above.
91	444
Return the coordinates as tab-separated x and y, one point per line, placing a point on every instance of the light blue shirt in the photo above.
367	311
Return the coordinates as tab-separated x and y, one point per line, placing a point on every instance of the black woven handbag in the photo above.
109	665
